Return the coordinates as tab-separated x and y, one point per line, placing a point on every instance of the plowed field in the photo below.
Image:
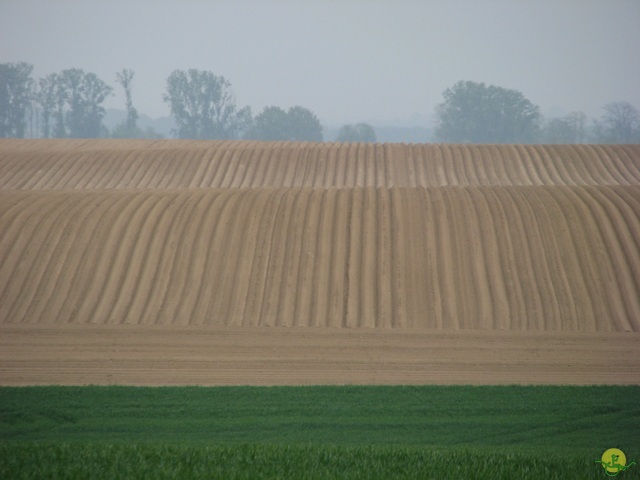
185	262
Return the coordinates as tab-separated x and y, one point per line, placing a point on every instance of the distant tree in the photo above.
619	124
568	129
297	124
47	100
272	124
347	133
130	129
60	99
474	113
203	106
85	93
362	132
304	126
15	98
74	100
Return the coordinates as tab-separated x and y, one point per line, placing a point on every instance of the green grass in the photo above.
315	432
137	461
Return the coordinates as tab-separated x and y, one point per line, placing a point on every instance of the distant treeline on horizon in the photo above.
69	104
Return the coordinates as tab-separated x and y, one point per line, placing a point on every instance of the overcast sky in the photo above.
384	62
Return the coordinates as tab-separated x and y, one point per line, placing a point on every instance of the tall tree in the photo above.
125	78
203	105
47	101
61	99
15	98
362	132
619	124
73	99
474	113
85	94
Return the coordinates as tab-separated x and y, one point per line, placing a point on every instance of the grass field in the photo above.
315	432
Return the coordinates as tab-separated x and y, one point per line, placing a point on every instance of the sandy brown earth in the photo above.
177	355
179	262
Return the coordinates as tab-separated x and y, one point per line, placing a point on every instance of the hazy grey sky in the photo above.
348	60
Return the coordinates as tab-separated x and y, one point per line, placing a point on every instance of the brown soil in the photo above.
177	262
205	355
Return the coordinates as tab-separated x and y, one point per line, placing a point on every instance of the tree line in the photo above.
473	112
69	104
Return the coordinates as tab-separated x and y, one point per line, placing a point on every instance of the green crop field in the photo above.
316	432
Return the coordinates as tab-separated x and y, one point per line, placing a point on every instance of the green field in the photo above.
316	432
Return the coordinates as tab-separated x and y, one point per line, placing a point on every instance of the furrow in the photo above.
212	286
529	260
291	256
623	255
241	247
304	308
34	261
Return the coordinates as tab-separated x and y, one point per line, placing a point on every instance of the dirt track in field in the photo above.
173	355
178	262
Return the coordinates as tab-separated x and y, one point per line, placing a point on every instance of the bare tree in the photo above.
124	78
362	132
619	124
15	98
568	129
